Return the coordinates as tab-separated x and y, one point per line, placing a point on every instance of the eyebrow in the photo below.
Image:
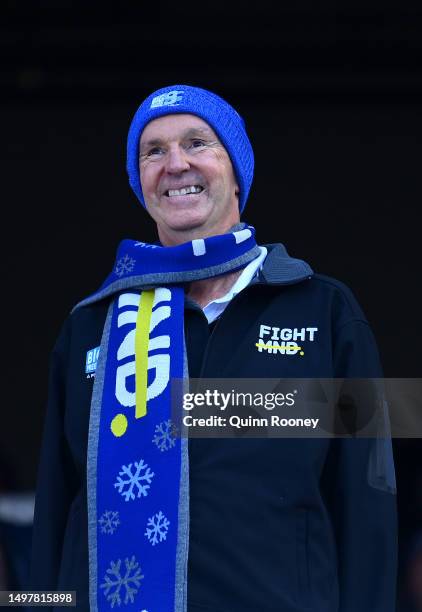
189	133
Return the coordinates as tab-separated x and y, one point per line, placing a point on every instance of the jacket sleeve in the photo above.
56	478
361	491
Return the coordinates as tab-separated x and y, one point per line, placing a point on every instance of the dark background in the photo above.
331	94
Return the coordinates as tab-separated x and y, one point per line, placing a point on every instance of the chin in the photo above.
192	223
189	231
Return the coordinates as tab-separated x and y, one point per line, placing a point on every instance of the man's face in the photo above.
187	179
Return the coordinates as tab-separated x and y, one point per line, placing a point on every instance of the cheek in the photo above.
147	179
224	169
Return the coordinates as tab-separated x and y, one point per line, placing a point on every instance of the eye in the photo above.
195	143
154	151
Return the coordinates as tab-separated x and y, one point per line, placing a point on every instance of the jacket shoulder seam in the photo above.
345	292
354	320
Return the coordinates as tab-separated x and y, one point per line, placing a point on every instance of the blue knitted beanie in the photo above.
225	121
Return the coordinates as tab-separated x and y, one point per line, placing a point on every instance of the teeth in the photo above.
185	190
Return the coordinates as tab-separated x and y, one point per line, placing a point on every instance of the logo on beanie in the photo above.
172	98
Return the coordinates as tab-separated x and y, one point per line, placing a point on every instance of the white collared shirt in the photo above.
214	309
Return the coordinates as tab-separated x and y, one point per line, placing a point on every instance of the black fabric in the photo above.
288	525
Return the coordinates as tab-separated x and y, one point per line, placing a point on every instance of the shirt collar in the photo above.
243	281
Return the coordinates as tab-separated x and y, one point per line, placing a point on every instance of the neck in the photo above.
172	237
204	291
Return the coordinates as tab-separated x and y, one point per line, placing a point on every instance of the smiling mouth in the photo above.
188	190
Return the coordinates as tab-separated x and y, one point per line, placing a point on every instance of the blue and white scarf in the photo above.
138	479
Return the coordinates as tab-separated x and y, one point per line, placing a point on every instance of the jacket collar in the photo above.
281	269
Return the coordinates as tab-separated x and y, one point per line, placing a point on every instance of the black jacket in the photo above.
286	525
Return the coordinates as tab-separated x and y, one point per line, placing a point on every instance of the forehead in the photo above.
176	126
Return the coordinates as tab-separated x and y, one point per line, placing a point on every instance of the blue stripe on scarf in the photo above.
137	258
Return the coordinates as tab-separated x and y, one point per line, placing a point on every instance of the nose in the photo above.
177	160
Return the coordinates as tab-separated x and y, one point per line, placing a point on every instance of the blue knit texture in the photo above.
225	121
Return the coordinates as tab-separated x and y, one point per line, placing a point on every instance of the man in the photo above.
129	515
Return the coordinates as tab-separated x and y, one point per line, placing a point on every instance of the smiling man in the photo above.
187	179
190	188
129	515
